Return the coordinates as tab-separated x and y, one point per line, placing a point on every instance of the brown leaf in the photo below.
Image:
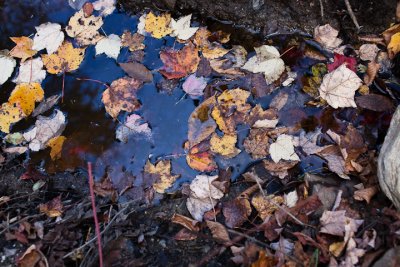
204	68
179	63
279	169
137	71
372	70
133	41
32	257
185	235
188	223
337	223
375	102
105	188
257	143
218	232
236	212
365	194
53	208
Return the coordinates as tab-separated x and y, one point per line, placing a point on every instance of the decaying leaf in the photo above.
23	48
45	129
26	95
266	205
7	66
45	105
372	71
279	169
133	41
179	63
337	223
65	59
133	125
163	169
218	232
194	86
53	208
106	7
158	26
186	222
203	197
365	193
236	212
48	35
31	71
375	102
84	29
225	145
121	95
327	36
308	142
214	51
313	82
368	52
110	46
338	87
223	66
335	160
257	143
32	257
181	28
56	145
9	114
137	71
283	148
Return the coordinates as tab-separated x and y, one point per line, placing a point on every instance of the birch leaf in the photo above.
25	95
158	26
283	148
48	35
338	87
66	59
109	46
9	114
31	71
181	28
84	30
7	66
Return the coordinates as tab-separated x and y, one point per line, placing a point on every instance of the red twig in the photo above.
96	221
62	91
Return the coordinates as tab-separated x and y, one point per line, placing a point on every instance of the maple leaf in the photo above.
84	29
158	26
339	59
9	114
181	28
121	95
283	149
31	71
178	64
194	86
338	87
25	95
110	46
66	59
23	48
163	169
132	125
133	41
48	35
7	66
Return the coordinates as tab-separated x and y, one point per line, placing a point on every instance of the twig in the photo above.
96	221
351	13
62	90
322	9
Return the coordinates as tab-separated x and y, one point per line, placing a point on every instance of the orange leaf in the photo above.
23	48
200	160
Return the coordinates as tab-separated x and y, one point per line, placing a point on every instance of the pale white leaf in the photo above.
291	198
7	64
110	46
106	7
31	71
326	35
283	148
141	25
339	86
133	125
181	28
368	52
337	223
48	35
15	150
194	86
265	123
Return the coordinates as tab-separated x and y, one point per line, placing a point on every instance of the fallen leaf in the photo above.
225	145
339	60
218	232
327	36
163	169
7	66
133	41
45	105
106	7
45	129
368	52
240	55
16	150
194	86
179	63
284	246
266	205
133	125
375	102
185	235
338	87
32	257
259	118
9	114
279	169
372	71
335	160
257	143
267	61
264	260
353	254
214	51
84	29
23	48
56	145
141	25
337	223
236	212
48	35
110	46
14	138
313	83
137	71
366	193
26	95
87	9
158	26
181	28
203	197
121	95
65	59
200	160
186	222
53	208
31	71
291	198
283	148
222	66
394	45
308	141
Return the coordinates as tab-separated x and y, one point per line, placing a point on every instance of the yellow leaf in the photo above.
56	145
266	205
226	125
214	51
9	114
224	145
26	94
336	248
163	169
23	48
84	29
394	45
158	26
66	59
201	38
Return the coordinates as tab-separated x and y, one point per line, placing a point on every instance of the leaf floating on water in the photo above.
375	102
45	129
110	46
106	7
48	35
133	41
283	148
31	71
56	145
9	114
7	66
163	169
200	159
26	95
23	48
194	86
137	71
66	59
225	145
121	95
84	29
181	28
338	87
45	105
132	125
158	26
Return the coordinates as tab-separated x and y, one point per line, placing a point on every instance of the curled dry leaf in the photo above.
283	148
162	168
9	114
31	71
53	208
225	145
186	222
371	73
7	66
338	87
368	52
133	41
48	35
219	232
157	26
23	48
121	95
66	59
366	193
326	35
84	29
32	257
26	95
110	45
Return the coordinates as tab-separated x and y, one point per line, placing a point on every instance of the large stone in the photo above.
389	161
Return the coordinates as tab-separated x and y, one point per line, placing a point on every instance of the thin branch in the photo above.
351	13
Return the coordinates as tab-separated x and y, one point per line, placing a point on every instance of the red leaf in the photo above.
339	59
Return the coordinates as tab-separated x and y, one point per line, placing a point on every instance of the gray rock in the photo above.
389	161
